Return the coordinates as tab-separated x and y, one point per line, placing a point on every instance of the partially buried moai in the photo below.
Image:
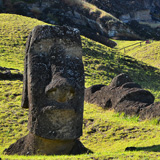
53	90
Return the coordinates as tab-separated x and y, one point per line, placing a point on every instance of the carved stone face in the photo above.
54	82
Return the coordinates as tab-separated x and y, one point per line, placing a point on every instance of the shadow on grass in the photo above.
10	76
154	148
6	74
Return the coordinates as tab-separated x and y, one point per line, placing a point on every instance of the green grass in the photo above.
105	132
13	39
93	9
148	53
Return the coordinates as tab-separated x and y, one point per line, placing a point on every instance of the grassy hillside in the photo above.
106	133
102	64
148	53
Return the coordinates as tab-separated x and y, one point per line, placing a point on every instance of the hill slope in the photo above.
93	22
106	133
148	53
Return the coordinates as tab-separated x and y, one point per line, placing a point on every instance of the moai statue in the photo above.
53	90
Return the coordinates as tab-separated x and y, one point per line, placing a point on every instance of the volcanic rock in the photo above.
53	90
122	95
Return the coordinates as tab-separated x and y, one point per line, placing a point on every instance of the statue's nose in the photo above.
60	91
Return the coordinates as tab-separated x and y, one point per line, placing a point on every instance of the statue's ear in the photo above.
25	103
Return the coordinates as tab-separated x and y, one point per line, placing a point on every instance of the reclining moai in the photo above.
53	90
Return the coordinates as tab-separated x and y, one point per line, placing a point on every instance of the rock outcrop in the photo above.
146	13
151	111
94	24
144	30
53	90
123	95
109	19
127	10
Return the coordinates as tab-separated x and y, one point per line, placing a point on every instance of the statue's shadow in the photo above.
7	74
154	148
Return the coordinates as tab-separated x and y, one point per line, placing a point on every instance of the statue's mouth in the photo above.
61	94
60	99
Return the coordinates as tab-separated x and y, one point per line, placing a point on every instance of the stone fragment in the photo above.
151	111
120	80
122	95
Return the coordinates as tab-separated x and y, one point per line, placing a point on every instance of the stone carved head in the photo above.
53	87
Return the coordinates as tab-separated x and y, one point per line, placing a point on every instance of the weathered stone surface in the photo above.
130	9
122	95
120	80
141	15
131	100
55	81
89	91
95	95
147	11
32	145
151	111
131	85
61	12
21	8
89	22
145	30
53	91
101	96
